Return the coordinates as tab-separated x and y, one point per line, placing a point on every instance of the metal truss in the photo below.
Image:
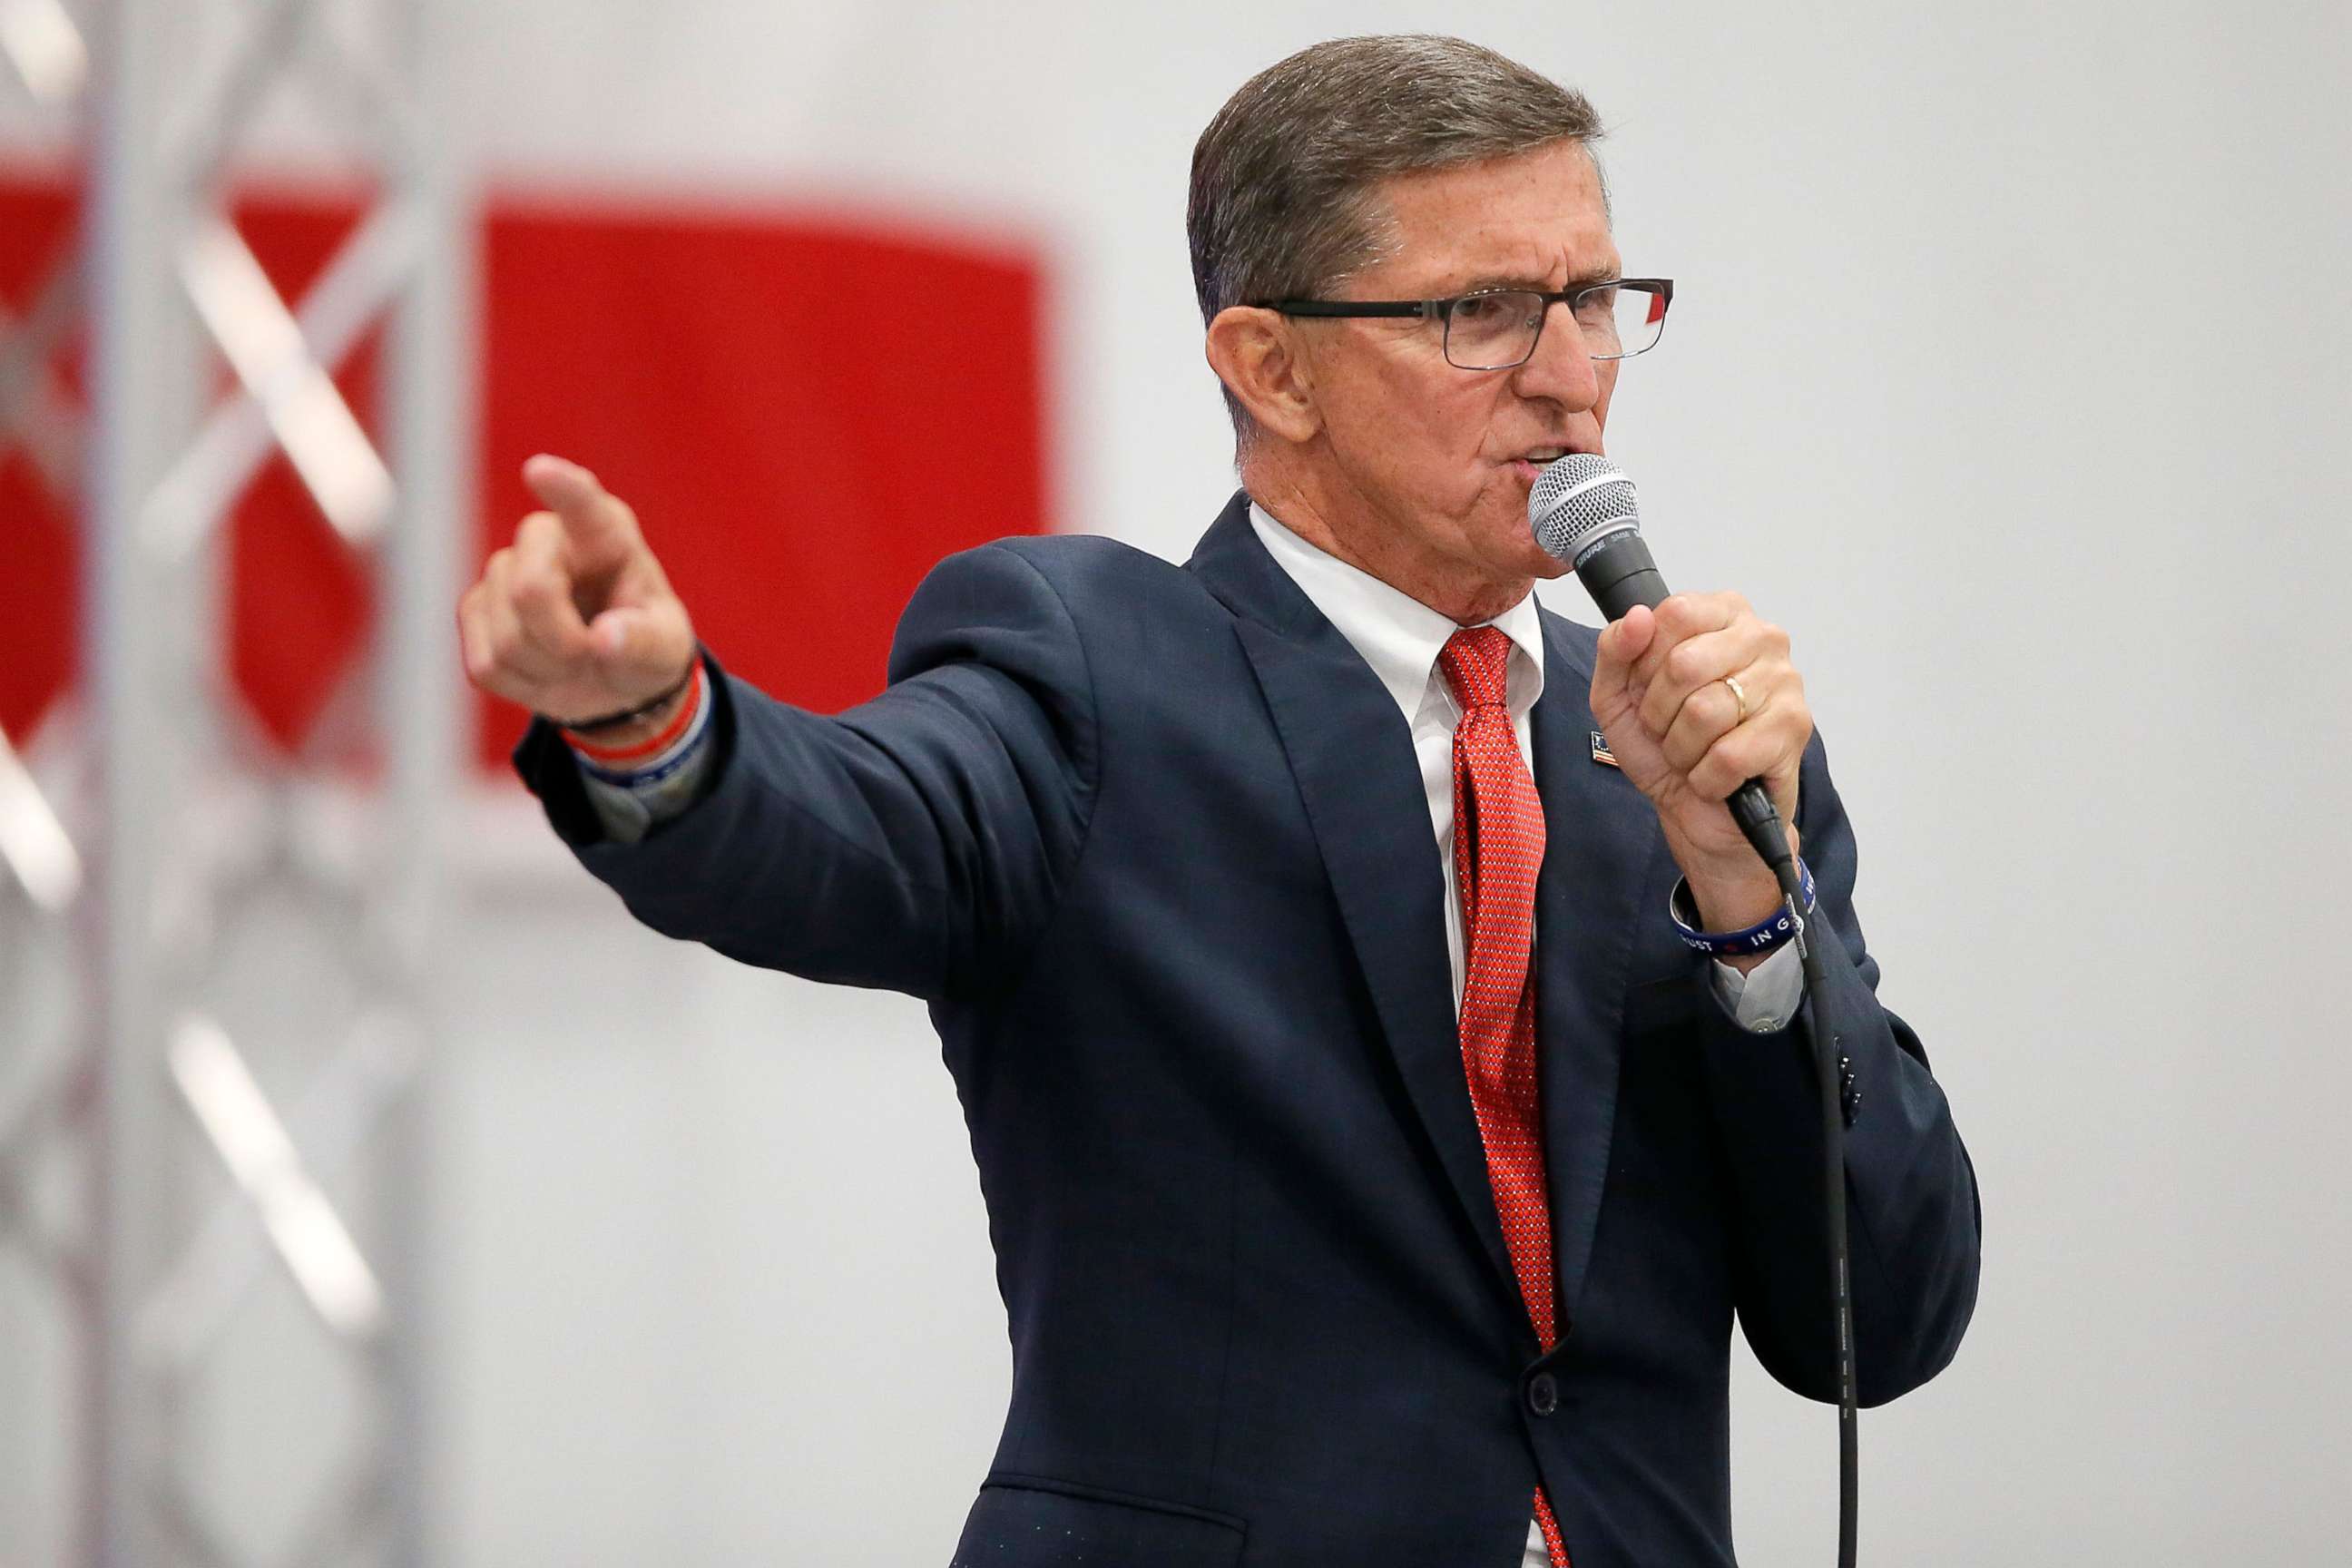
235	1059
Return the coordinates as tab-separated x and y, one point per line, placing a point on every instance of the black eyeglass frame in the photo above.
1442	311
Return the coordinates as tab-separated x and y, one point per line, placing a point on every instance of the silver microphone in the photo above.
1584	512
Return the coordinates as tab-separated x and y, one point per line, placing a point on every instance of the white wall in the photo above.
2009	343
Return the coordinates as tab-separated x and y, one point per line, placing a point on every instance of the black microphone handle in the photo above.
1618	572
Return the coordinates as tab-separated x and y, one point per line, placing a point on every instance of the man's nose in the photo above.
1562	367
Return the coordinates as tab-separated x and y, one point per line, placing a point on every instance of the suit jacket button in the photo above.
1543	1393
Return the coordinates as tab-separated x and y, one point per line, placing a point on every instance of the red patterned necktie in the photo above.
1499	844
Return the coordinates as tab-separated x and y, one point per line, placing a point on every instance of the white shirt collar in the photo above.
1397	635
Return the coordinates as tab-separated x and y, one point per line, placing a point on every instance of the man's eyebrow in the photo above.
1487	281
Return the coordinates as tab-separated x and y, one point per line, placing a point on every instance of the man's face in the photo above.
1409	442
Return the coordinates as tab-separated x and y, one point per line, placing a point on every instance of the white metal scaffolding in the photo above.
234	1064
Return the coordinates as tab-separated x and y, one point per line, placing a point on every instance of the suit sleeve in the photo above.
916	842
1911	1211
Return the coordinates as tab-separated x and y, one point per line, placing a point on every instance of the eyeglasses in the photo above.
1496	329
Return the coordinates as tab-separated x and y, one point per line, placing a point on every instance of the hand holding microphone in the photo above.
1694	692
576	620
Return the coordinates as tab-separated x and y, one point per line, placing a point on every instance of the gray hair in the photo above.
1284	200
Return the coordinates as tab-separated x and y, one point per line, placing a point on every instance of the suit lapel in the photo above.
1351	753
1600	838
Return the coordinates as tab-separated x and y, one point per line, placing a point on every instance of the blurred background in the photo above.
372	1191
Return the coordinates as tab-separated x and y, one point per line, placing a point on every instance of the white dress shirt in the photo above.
1400	637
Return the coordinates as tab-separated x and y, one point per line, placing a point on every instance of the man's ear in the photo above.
1256	354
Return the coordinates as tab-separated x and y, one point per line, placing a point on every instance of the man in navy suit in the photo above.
1374	1169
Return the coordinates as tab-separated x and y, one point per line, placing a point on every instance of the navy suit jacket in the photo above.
1152	842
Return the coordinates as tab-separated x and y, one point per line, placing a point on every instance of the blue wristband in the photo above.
1762	937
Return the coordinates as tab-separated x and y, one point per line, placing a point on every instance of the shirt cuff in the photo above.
1764	999
628	815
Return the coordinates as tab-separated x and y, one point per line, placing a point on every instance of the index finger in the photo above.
592	516
539	585
1682	616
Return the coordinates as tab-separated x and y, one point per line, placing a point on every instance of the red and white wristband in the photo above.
635	786
658	754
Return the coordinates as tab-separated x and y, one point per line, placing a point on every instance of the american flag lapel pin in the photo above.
1600	752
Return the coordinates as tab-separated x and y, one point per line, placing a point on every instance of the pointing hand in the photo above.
575	619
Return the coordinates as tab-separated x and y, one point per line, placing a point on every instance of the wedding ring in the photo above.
1738	691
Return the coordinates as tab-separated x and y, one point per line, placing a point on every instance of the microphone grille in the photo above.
1578	500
